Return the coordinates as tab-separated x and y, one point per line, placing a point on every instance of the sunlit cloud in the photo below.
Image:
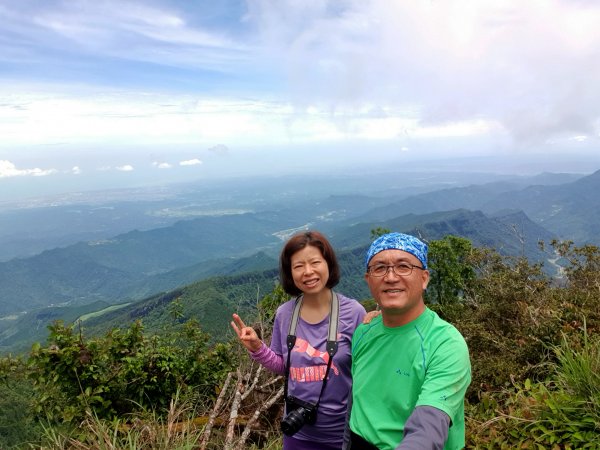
190	162
8	169
280	74
163	165
579	138
125	168
75	170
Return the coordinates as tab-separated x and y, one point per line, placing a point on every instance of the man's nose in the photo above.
390	274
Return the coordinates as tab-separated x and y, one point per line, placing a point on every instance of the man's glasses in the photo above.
400	269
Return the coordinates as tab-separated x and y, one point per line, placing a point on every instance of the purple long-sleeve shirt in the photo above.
308	364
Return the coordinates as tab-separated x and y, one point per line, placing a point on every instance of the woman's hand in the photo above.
247	335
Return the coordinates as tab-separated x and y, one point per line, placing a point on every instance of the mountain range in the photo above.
205	257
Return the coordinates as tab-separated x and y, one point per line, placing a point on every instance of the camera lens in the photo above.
293	421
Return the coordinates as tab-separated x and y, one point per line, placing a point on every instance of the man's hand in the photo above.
371	315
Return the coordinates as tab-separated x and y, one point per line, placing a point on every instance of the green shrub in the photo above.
560	413
17	424
123	371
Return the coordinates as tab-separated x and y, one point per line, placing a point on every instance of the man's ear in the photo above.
425	278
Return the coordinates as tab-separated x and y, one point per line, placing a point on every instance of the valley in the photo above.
200	242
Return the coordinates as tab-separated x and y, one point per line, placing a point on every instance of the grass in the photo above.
91	315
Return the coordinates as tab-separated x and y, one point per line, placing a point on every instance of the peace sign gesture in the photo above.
246	335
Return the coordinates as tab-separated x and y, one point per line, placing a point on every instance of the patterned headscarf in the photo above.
398	241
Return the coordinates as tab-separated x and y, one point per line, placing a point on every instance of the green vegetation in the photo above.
108	309
451	269
534	342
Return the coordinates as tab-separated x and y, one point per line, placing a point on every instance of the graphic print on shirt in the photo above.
311	373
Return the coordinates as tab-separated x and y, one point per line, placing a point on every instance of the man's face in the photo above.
398	296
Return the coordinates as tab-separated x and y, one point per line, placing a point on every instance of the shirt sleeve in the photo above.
448	376
425	429
269	359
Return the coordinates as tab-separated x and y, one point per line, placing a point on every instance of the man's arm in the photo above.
426	428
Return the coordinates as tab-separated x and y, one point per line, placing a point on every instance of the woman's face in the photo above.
310	271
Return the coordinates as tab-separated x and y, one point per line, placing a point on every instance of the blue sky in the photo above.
164	90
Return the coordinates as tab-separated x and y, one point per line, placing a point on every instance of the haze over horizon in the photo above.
100	95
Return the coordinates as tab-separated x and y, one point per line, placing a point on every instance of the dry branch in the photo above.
237	399
215	412
266	405
254	382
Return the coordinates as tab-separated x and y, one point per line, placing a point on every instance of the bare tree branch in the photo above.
237	399
215	412
266	405
254	382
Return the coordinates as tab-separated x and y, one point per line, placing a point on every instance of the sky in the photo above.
108	93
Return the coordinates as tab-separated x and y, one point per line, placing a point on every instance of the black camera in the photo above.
299	413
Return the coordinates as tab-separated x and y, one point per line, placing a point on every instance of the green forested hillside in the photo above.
19	331
533	342
510	234
211	302
114	270
137	264
18	334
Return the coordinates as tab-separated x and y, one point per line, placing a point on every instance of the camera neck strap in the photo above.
332	344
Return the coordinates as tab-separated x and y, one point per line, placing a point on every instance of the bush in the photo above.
123	371
562	412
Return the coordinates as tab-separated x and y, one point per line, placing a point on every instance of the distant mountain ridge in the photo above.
255	275
569	210
213	300
139	265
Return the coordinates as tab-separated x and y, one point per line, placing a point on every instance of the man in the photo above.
410	368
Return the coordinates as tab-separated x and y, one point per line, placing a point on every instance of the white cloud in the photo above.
190	162
163	165
532	68
125	168
579	138
131	31
76	170
8	169
298	73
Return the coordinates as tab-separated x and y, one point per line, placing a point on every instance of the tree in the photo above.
379	231
451	269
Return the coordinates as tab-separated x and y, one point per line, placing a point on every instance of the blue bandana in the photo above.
398	241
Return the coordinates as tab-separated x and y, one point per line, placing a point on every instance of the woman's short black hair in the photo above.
298	242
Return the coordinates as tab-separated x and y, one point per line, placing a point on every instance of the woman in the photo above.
308	271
